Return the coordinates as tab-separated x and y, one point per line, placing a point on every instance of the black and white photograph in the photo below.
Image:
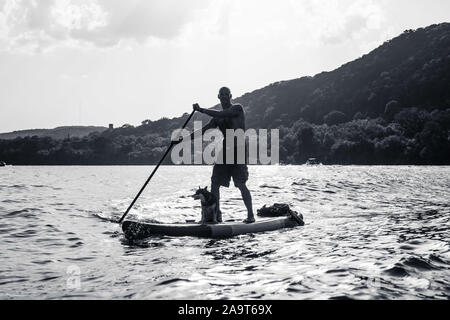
206	151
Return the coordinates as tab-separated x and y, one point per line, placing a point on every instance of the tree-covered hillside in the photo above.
391	106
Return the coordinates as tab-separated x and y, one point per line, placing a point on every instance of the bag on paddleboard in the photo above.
277	210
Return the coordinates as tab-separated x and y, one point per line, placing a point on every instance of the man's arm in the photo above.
231	112
211	125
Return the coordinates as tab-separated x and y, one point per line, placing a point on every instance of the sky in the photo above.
95	62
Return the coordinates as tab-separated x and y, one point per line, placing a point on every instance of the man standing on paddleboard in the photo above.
231	117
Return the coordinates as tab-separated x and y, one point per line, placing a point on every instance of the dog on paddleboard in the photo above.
210	212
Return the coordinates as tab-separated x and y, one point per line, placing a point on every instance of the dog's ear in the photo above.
206	188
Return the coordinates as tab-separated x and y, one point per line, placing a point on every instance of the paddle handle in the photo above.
154	171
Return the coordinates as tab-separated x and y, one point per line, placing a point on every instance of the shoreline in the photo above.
210	165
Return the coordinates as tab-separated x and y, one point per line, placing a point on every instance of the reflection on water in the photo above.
370	233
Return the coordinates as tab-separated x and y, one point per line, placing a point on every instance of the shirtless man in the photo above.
231	117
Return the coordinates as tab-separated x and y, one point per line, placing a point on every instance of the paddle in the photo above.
154	171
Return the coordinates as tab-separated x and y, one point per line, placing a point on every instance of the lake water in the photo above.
370	233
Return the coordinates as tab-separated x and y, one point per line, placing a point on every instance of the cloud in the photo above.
39	24
350	27
35	25
337	21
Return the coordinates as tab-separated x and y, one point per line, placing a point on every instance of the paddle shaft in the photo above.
154	171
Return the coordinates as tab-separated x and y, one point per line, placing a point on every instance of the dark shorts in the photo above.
222	174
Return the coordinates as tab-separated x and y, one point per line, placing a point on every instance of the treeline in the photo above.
412	136
409	136
94	149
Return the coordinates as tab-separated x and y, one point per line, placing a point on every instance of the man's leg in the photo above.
215	189
247	197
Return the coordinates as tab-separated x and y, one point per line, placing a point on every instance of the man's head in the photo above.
225	96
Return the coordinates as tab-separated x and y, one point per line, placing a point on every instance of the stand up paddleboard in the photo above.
135	230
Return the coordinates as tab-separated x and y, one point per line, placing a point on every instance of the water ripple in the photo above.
371	233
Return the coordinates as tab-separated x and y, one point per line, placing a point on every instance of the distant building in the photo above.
111	126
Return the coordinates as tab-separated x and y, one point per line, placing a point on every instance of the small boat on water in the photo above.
2	164
313	162
135	230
